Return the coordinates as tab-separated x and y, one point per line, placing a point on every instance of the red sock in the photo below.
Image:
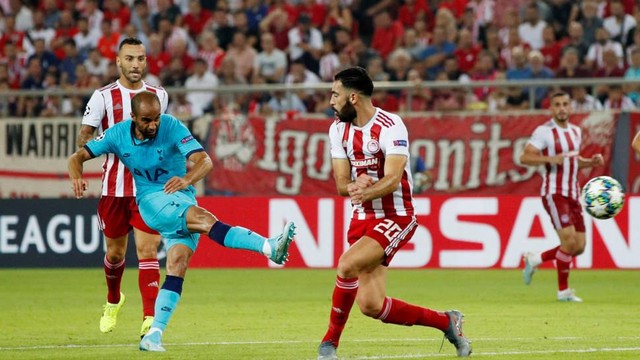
563	263
148	281
549	254
395	311
113	274
344	295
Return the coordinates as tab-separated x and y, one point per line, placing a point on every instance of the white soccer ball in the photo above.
603	197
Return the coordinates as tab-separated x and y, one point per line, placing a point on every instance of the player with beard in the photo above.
117	210
556	145
370	152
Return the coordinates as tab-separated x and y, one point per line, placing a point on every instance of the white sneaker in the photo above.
568	295
530	267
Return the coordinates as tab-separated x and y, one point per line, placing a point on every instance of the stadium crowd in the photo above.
195	44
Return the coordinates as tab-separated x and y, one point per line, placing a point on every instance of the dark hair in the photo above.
129	41
558	94
140	97
356	78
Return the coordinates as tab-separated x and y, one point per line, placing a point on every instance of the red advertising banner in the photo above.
472	154
454	232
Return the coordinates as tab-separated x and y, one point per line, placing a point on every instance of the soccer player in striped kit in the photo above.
556	145
370	152
117	210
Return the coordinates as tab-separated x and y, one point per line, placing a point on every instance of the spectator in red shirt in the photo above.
157	57
10	34
15	63
551	49
65	30
387	34
413	10
316	10
178	50
466	51
455	6
108	42
485	71
337	17
277	23
197	18
118	14
210	51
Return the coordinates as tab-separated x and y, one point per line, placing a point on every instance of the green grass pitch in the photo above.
282	314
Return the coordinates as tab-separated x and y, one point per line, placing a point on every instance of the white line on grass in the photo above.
285	342
503	353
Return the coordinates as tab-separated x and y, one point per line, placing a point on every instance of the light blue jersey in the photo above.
153	162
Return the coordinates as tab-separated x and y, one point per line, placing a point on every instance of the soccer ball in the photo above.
603	197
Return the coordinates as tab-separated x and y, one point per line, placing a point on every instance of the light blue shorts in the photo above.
167	214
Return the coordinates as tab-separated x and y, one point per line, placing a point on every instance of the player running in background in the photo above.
556	145
155	148
117	209
370	151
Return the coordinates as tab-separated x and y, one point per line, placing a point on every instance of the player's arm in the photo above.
342	175
85	135
75	168
595	160
531	155
202	165
393	170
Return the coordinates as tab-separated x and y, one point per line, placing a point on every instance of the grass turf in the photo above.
282	314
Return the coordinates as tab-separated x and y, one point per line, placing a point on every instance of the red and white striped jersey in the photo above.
553	140
107	107
366	148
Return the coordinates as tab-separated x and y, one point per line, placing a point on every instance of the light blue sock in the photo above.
241	238
165	306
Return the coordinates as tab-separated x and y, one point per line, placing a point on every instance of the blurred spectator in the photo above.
423	35
108	42
466	51
183	109
197	19
95	64
617	100
361	53
39	30
562	13
11	34
46	57
453	72
112	74
305	43
175	74
375	68
633	73
570	67
448	99
632	47
51	13
243	55
70	61
172	33
130	31
383	99
210	51
317	11
577	41
65	30
157	57
34	76
434	55
16	63
270	64
92	12
420	95
483	13
227	75
485	70
511	22
337	17
455	7
594	58
23	15
412	10
444	19
611	65
82	76
178	50
240	24
256	11
280	102
141	16
222	25
497	100
552	49
166	10
519	69
582	101
590	21
399	64
202	78
544	11
539	71
619	24
506	53
277	23
530	30
299	74
118	14
493	46
329	62
411	44
85	38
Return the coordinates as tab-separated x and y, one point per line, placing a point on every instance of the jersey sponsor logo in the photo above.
187	139
373	146
400	143
370	163
156	173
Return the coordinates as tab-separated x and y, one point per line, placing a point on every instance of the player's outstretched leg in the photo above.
110	315
237	237
454	333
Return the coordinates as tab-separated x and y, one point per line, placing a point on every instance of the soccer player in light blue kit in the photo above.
155	148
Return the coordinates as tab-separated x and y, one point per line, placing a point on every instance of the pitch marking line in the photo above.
285	342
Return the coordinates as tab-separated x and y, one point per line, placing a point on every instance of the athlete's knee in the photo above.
369	307
116	249
178	264
347	269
